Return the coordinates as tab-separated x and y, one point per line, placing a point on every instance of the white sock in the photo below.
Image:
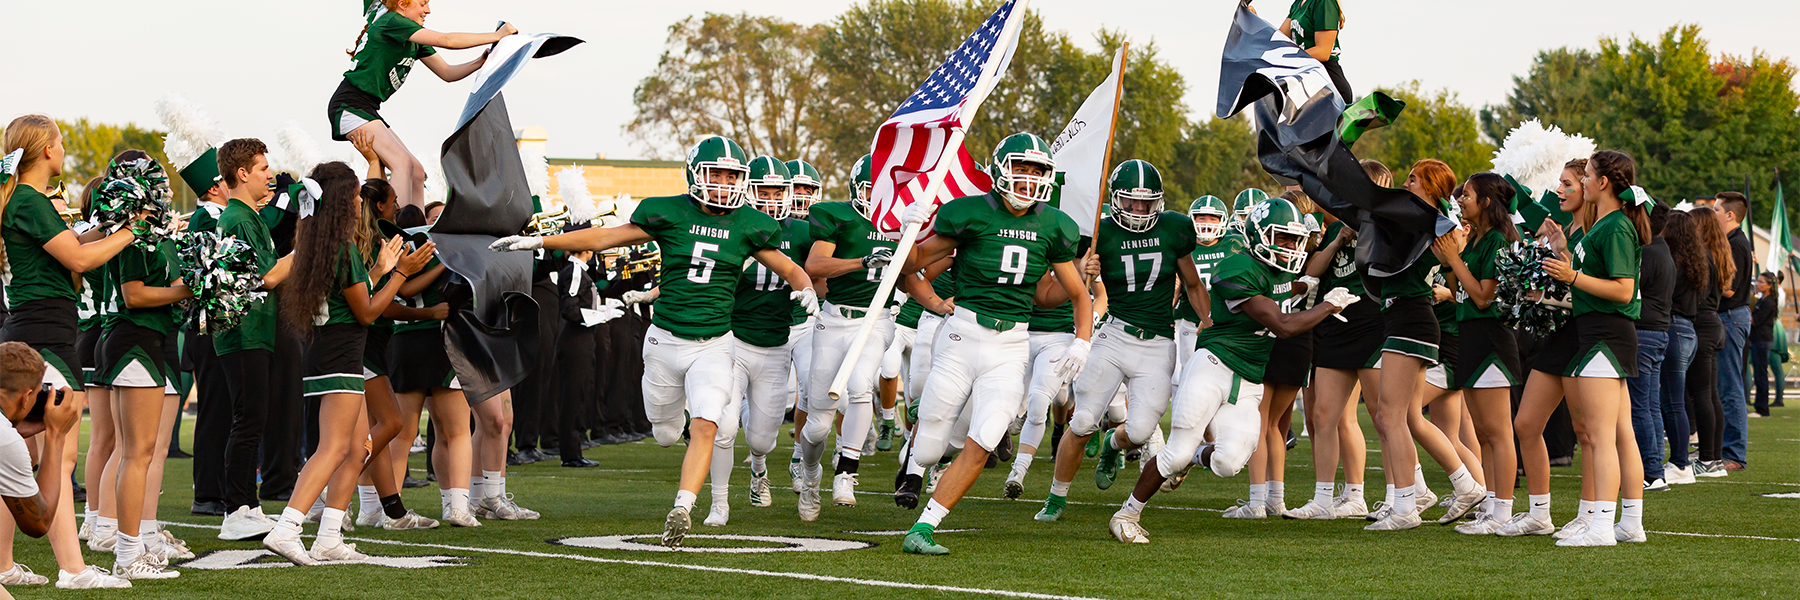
128	548
1604	513
1133	507
369	499
1586	509
685	499
1502	508
1540	506
496	483
290	520
934	513
1461	481
444	500
759	464
458	499
1390	494
1277	493
1322	493
149	526
478	486
887	414
90	515
1354	491
1259	493
331	528
1060	488
1405	499
108	523
1022	461
1418	474
1631	513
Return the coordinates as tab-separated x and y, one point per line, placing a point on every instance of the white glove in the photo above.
636	298
1312	283
614	303
1068	366
1341	298
516	243
608	313
808	299
918	212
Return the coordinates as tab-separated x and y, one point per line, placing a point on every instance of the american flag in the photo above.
913	141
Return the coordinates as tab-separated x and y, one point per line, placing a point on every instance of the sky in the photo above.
256	64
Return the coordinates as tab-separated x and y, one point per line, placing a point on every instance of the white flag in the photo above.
1081	149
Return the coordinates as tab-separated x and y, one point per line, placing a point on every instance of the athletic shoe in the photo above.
920	541
1460	504
1343	507
1246	510
1634	535
1426	500
170	541
1276	509
718	515
102	538
884	441
1677	476
1153	448
794	472
1713	468
246	523
759	490
808	505
936	472
868	447
156	546
339	552
1128	530
502	508
1732	465
524	514
418	446
410	520
675	527
1590	537
906	494
1093	445
1656	485
82	534
1382	510
1572	528
90	578
1015	482
1486	525
843	489
21	575
1005	450
1053	509
1106	470
287	545
460	518
1396	521
377	519
1313	510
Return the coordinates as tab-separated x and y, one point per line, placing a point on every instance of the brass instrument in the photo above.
547	223
70	214
621	261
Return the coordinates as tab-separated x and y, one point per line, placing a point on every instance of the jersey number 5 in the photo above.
700	266
1012	262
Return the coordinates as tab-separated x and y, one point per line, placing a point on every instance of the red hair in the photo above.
1436	177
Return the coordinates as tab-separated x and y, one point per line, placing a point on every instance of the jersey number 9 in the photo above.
1012	261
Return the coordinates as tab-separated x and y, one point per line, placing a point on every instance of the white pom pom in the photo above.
295	152
537	171
1534	155
191	131
571	183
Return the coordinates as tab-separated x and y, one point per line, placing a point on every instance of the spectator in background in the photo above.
1693	277
1656	286
1314	25
1734	312
1762	338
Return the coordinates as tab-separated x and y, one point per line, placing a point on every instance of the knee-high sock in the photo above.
855	430
720	475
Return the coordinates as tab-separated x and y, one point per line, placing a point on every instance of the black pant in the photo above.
247	378
1759	362
212	421
282	430
573	387
1704	408
532	395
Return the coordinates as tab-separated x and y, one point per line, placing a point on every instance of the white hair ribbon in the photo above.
9	166
309	196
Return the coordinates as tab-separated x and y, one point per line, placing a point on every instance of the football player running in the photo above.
1006	242
1215	240
1221	387
1143	252
688	349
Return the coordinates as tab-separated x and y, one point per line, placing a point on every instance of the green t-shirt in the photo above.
256	331
386	55
1342	272
156	268
763	312
30	221
1238	340
703	258
1206	260
431	296
1000	257
840	224
1610	250
1313	16
1140	270
1480	258
335	310
205	217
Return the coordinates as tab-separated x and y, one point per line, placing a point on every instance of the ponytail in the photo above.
1620	172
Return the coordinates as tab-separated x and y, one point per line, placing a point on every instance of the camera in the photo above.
43	400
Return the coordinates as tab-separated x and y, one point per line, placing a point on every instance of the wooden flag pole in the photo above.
1112	129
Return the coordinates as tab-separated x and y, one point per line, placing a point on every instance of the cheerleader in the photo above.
1604	274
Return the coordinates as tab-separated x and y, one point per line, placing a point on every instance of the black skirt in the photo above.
1444	374
125	344
375	350
1354	343
87	349
1558	350
1411	328
1606	347
417	361
48	326
1489	349
334	360
1290	361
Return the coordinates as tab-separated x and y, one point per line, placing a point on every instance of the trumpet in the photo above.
547	223
70	214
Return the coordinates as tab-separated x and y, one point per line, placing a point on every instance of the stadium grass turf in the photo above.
1194	552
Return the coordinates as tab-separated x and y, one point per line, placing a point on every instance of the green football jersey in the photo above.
855	237
386	56
29	222
256	330
90	304
1238	340
1480	256
155	268
1206	261
1610	250
335	310
1140	270
763	312
1000	257
703	257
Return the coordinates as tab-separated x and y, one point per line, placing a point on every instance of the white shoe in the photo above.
759	491
808	504
375	519
1128	530
1247	510
794	472
1675	476
246	523
1656	485
1396	521
843	489
1152	448
145	566
461	518
287	545
1174	483
102	538
524	514
1382	510
90	578
21	575
718	516
676	526
1590	536
1486	525
339	552
315	513
1015	482
164	552
82	534
1572	528
179	546
1460	504
410	520
502	508
1633	535
868	448
935	473
1525	524
1312	511
1343	507
1426	500
1276	508
418	445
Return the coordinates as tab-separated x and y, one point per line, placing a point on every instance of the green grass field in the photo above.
1718	538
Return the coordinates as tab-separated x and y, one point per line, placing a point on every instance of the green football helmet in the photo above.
768	175
807	185
722	157
1245	200
1271	225
1020	190
862	181
1209	206
1136	192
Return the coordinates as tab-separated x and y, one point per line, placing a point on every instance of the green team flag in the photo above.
1783	248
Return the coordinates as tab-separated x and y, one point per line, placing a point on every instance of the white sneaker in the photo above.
868	448
1590	536
1247	510
1396	521
82	534
1426	500
179	546
676	526
21	575
246	523
461	518
1152	448
145	566
287	545
1525	524
1656	485
1128	530
794	472
759	491
843	489
90	578
1634	535
1276	509
524	514
1312	511
1486	525
418	445
408	521
935	473
1572	528
164	552
339	552
376	519
1460	504
102	538
1344	507
503	508
1675	476
808	504
718	516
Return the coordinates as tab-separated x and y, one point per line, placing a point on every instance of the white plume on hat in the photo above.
191	131
294	152
571	183
537	171
1534	156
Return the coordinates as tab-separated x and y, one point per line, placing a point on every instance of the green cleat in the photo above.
1093	445
1107	469
919	541
886	441
1053	509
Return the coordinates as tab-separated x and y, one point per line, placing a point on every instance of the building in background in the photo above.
610	178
